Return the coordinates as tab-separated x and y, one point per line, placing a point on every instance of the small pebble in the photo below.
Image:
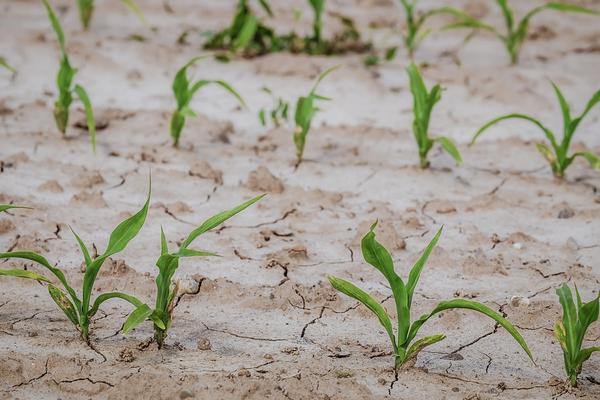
519	301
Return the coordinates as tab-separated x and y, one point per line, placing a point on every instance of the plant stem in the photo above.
159	336
573	379
424	161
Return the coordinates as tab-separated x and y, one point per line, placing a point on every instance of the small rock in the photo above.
126	355
518	245
204	344
87	179
566	213
572	243
179	207
51	186
292	350
298	252
262	180
382	381
244	372
519	301
187	286
344	374
186	394
203	169
6	225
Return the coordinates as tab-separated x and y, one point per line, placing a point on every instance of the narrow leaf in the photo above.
89	114
21	273
356	293
64	304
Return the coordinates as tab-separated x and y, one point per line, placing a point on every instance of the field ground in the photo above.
262	321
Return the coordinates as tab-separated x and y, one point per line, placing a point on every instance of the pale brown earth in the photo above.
262	321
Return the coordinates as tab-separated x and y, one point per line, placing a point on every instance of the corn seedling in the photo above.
249	37
557	154
423	103
516	33
279	113
403	342
166	294
4	64
246	34
318	7
570	331
80	310
64	82
184	91
415	23
86	9
305	112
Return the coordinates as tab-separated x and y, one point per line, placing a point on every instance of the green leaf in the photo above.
164	246
217	220
112	295
137	316
223	84
246	34
590	157
31	256
89	114
5	64
420	344
448	145
566	7
549	135
377	255
587	315
595	99
507	12
21	273
356	293
4	207
546	152
415	272
265	5
64	304
475	306
569	320
195	253
323	76
585	354
564	107
56	26
84	250
136	10
128	229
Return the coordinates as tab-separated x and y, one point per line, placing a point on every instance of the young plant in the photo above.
86	9
166	293
516	33
246	33
405	347
305	112
4	64
80	310
279	113
64	82
184	91
423	103
415	23
318	7
570	331
557	154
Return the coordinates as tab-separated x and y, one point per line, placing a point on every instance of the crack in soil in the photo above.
393	382
25	383
284	216
208	328
312	322
88	379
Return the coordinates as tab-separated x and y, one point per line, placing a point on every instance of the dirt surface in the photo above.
262	321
